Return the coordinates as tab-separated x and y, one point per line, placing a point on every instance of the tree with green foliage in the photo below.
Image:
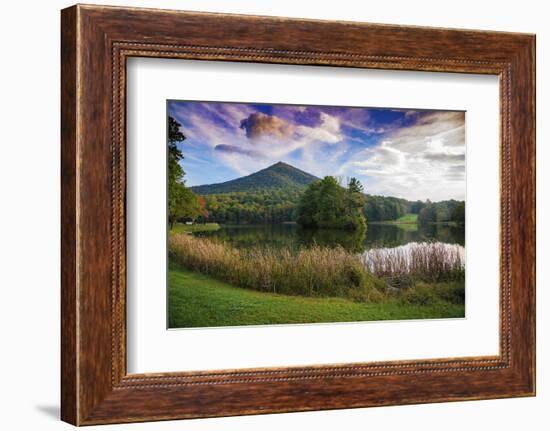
459	213
384	208
308	206
355	202
182	202
355	186
428	214
254	207
326	204
330	203
442	212
416	207
175	171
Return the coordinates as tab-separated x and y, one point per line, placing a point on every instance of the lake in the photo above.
293	236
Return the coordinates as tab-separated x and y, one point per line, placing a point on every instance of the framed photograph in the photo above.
264	215
308	244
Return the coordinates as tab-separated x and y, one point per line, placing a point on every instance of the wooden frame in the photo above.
96	41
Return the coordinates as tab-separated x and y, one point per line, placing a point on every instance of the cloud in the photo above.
360	119
328	130
382	161
233	149
455	173
258	125
273	138
230	114
444	157
446	126
408	153
204	130
423	160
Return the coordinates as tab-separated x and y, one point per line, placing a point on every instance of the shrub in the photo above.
427	294
421	295
451	292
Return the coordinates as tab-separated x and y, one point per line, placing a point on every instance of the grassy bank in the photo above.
405	219
204	227
198	300
314	271
319	271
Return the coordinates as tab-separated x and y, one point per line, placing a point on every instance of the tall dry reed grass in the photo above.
315	271
426	261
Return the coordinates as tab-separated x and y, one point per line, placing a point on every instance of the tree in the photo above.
182	202
326	204
330	203
308	207
203	212
442	212
416	207
258	206
175	171
355	186
427	214
182	205
459	213
355	203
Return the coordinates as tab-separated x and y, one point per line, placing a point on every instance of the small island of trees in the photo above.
326	204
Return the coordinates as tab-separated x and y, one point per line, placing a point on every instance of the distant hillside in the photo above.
272	195
277	176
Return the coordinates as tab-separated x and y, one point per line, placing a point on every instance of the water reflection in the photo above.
293	236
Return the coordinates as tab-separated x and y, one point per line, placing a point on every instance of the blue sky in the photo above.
406	153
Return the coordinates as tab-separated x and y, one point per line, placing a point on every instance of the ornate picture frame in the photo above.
96	41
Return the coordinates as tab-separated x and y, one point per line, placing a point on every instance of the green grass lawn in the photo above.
404	219
407	218
406	222
180	227
197	300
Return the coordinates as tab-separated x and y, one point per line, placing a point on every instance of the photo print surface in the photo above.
300	214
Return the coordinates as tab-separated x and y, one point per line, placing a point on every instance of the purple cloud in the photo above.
233	149
259	124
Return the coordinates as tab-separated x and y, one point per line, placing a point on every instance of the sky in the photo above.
411	154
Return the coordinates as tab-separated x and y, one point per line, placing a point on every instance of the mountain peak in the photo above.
279	163
280	175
